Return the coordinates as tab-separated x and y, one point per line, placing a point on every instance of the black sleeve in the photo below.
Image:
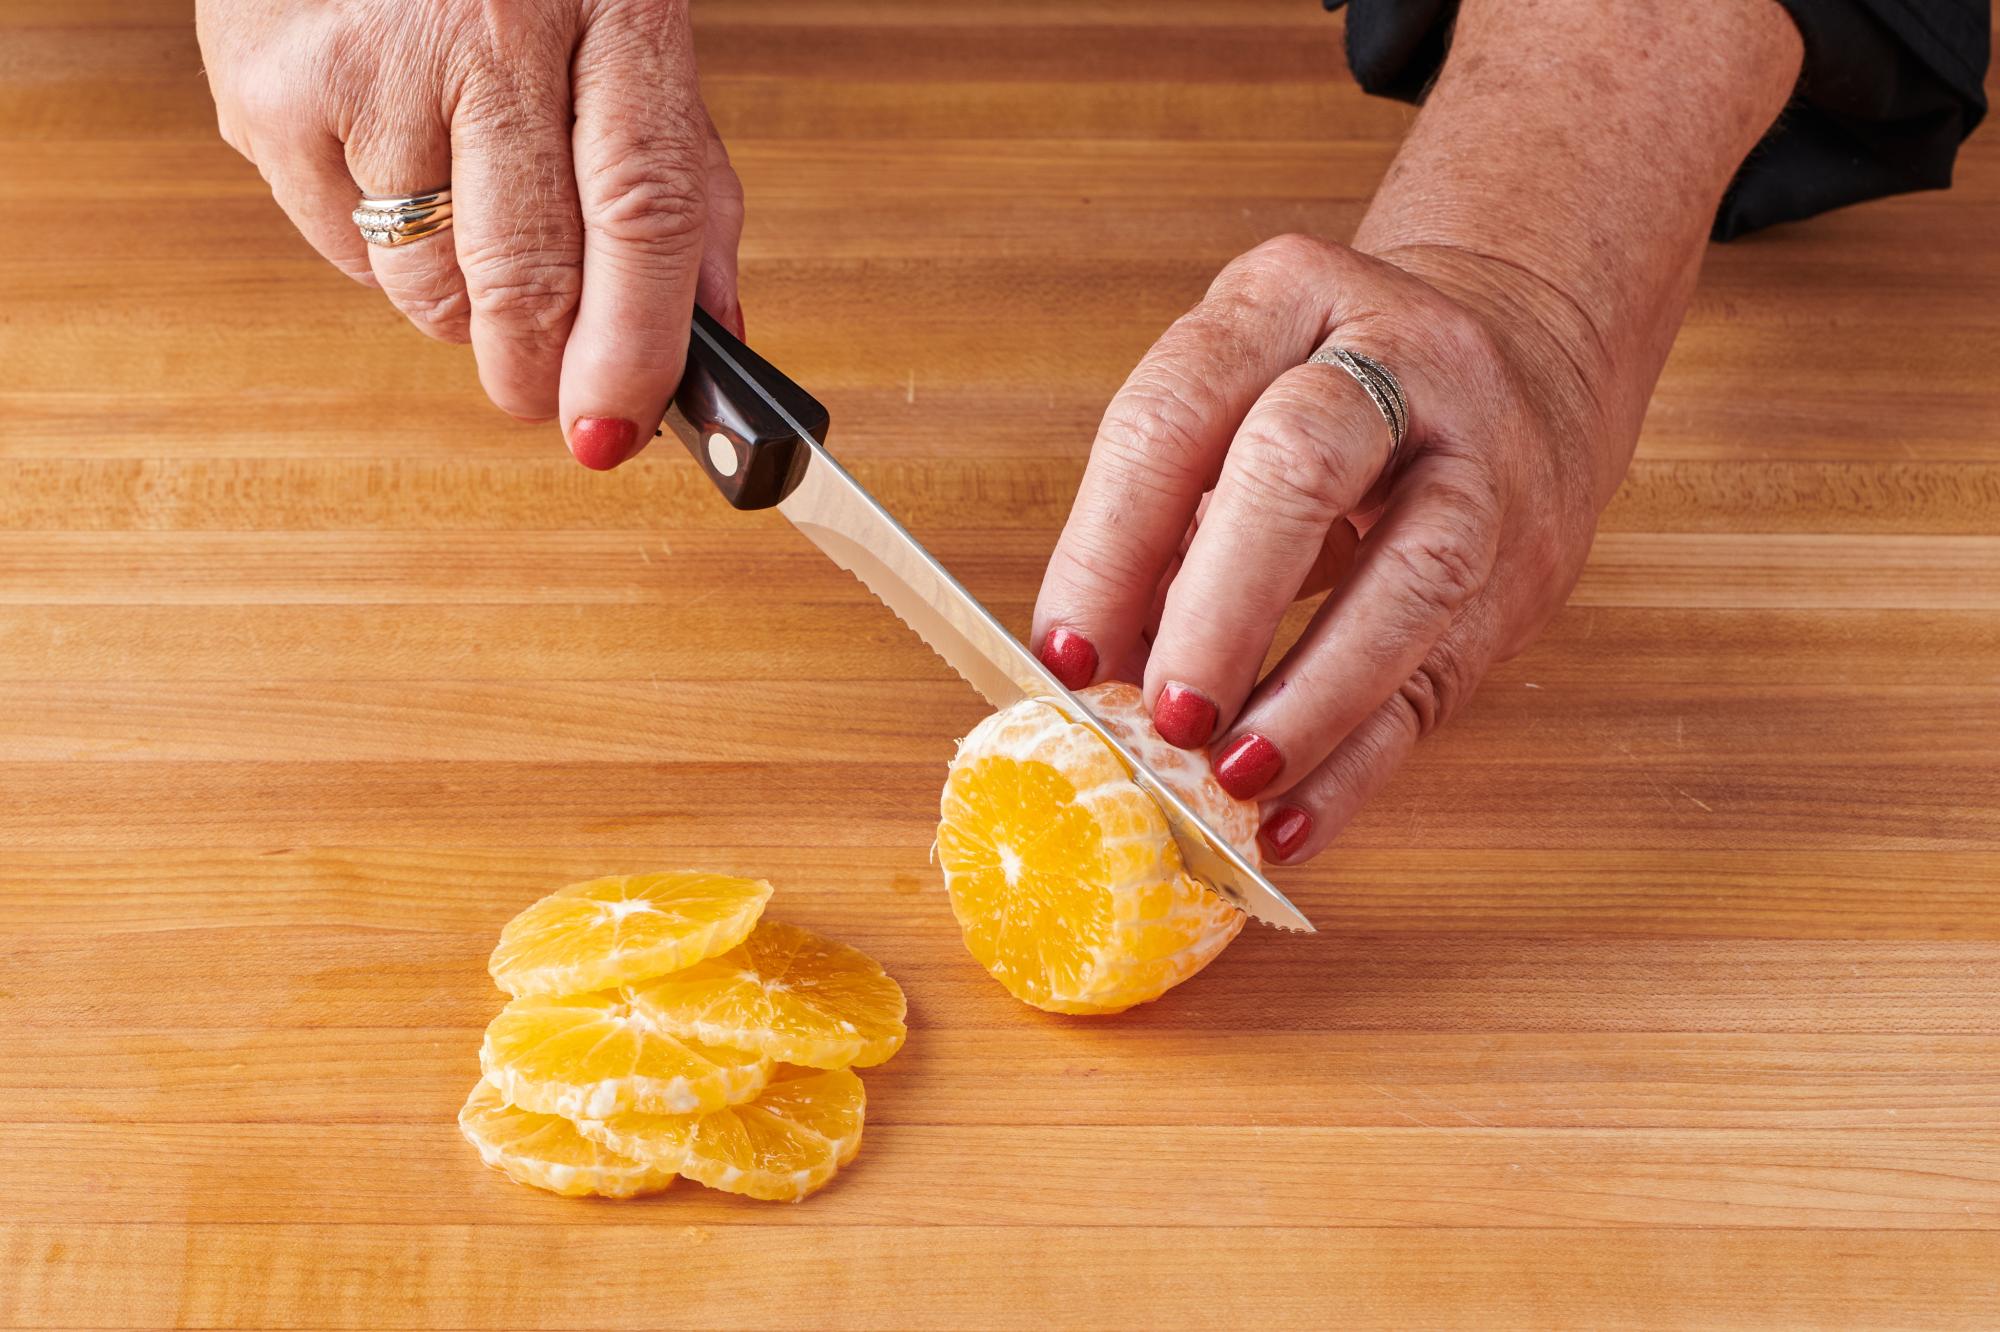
1889	91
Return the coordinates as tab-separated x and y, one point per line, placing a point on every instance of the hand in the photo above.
593	203
1230	476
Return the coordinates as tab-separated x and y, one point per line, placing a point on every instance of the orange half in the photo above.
1065	878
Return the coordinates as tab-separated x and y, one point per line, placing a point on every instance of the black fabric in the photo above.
1889	91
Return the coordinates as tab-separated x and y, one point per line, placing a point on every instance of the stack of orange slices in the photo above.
659	1029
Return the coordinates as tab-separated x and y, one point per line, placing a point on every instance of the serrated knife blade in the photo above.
746	424
837	514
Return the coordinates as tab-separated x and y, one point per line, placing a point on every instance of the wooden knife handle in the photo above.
731	409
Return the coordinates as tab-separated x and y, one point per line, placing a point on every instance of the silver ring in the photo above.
401	219
1382	389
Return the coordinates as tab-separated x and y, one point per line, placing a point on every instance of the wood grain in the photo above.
1662	990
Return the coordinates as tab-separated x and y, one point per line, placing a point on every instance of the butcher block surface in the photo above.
1662	988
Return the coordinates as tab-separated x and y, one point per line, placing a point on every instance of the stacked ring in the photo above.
392	220
1381	387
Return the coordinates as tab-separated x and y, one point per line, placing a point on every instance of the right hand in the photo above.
593	202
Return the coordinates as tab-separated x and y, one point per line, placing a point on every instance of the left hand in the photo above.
1452	563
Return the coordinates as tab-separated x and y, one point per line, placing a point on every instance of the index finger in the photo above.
641	150
1160	448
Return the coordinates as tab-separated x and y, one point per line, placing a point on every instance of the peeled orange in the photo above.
1063	873
780	1147
626	928
547	1152
591	1055
785	993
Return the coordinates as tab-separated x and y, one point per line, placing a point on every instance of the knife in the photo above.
761	440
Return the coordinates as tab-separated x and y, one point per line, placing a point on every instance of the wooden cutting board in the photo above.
1664	988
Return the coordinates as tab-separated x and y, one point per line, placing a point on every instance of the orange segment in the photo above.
1064	876
624	929
784	1145
548	1153
590	1055
785	993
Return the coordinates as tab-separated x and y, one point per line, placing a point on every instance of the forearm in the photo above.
1565	171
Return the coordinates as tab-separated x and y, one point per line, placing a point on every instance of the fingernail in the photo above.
1247	766
602	442
1184	716
1286	831
1070	658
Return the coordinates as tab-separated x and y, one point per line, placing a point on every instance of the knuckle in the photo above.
1294	468
535	300
1364	758
1224	336
1443	566
1289	253
1265	273
443	315
270	106
652	202
1091	562
1154	432
651	22
1433	691
506	93
1419	700
505	40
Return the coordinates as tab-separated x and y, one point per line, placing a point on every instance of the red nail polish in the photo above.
1247	766
1286	831
1184	716
1070	658
601	442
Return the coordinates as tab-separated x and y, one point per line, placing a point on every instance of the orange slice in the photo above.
784	1145
591	1055
785	993
623	929
1064	876
547	1152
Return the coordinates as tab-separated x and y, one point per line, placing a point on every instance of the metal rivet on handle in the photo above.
722	454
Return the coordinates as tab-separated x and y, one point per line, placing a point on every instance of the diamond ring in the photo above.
392	220
1382	389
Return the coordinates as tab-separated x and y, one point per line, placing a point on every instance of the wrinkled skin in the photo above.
593	199
1230	477
1523	268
